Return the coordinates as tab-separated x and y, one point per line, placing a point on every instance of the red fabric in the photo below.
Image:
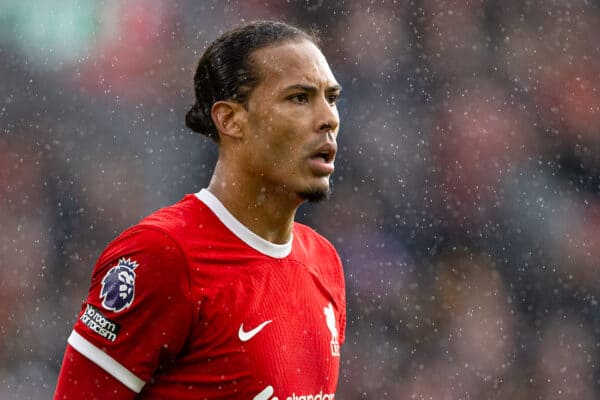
196	286
80	378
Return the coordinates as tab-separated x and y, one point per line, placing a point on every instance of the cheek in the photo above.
283	136
284	150
277	138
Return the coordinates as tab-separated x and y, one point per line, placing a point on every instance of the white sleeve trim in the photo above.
106	362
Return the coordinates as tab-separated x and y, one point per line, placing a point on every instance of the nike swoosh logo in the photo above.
245	336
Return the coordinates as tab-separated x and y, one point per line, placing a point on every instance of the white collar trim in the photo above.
238	229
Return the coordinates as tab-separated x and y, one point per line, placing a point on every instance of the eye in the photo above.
300	98
333	98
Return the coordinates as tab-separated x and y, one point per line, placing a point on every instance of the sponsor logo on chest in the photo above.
268	392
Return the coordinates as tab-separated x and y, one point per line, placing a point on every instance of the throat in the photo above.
273	224
263	213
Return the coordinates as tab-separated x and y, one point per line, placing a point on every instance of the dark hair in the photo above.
225	71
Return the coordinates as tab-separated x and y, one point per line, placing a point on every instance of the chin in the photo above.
315	195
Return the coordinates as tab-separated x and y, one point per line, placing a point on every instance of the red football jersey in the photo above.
190	304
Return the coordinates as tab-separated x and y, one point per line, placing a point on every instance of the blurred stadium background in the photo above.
465	205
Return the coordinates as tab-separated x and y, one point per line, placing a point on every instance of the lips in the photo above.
321	160
325	152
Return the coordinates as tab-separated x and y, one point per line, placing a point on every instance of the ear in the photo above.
227	117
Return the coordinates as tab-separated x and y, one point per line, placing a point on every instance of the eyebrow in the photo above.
313	89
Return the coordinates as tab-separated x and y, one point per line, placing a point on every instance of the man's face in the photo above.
292	120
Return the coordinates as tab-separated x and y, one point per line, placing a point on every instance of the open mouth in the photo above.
321	161
326	153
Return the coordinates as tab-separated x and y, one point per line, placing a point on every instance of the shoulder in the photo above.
152	253
318	254
309	237
158	237
177	222
185	212
140	239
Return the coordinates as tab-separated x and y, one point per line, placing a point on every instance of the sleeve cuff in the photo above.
106	362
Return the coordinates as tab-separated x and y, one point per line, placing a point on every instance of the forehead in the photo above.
292	63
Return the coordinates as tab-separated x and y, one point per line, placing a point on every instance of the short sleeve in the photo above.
139	308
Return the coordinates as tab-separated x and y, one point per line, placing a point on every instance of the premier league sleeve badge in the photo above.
118	286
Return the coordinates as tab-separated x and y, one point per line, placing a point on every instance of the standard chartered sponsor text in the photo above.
318	396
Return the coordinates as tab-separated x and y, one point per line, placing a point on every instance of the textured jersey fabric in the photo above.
190	304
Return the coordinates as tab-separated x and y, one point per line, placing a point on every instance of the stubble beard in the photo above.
316	195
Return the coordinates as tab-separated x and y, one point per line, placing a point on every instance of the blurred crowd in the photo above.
466	200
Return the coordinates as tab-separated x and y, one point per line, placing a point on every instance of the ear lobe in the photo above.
226	117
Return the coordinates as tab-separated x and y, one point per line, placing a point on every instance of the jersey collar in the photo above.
238	229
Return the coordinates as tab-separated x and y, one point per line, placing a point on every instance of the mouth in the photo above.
321	160
325	153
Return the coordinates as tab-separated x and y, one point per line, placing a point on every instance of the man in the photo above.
223	295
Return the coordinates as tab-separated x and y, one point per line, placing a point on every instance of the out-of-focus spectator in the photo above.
27	319
469	342
455	39
566	360
482	141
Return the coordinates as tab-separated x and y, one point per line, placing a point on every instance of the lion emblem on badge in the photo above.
118	286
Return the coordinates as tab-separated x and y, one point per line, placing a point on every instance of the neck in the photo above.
266	211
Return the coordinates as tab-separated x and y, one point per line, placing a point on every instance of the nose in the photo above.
328	118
